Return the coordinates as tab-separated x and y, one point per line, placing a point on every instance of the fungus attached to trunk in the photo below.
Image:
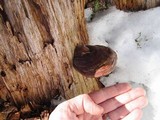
94	61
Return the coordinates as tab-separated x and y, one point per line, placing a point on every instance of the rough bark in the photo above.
126	5
135	5
37	41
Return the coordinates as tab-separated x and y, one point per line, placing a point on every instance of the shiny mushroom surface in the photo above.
94	61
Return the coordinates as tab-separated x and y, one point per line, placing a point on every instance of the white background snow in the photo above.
135	36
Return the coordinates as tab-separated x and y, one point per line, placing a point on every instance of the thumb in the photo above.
91	107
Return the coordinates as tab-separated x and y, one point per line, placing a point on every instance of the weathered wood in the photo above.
37	41
126	5
135	5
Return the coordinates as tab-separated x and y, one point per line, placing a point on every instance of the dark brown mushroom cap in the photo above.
94	61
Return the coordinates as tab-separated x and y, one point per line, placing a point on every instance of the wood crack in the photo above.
3	73
2	12
49	42
42	22
25	10
5	18
22	61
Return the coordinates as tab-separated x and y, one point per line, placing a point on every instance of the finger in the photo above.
63	108
96	118
124	110
83	103
135	115
109	92
122	99
131	95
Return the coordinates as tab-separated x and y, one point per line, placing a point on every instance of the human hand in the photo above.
119	102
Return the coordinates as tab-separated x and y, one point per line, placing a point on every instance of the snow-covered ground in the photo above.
135	36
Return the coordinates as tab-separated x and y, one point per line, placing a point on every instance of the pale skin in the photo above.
118	102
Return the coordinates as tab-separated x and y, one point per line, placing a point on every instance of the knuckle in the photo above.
84	96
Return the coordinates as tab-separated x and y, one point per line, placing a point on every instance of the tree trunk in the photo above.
37	42
126	5
135	5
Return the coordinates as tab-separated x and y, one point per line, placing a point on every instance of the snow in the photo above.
135	36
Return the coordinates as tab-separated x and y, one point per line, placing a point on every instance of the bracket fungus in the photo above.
94	61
